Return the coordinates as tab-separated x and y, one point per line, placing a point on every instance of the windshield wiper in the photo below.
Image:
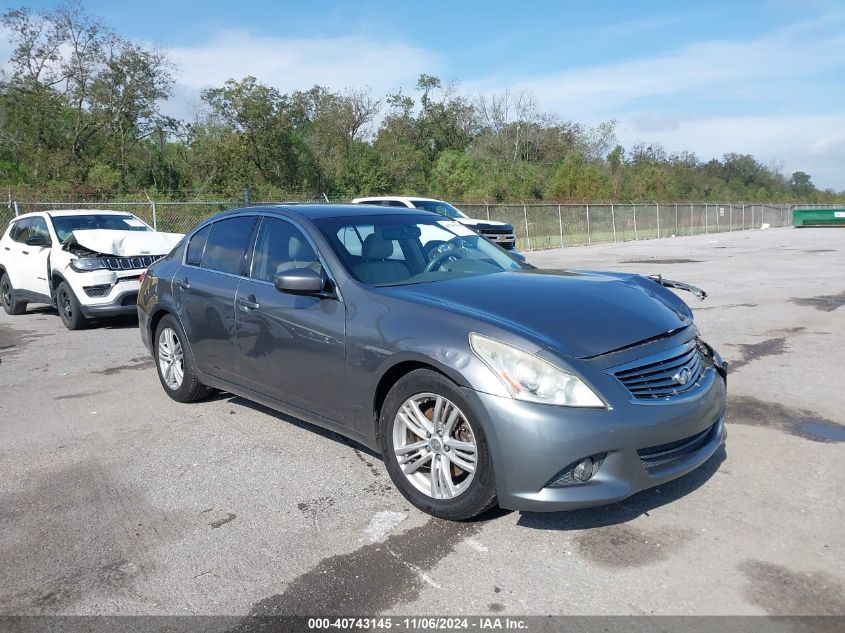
679	285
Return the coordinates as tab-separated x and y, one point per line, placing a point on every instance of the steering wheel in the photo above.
435	263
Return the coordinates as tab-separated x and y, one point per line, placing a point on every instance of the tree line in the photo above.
81	116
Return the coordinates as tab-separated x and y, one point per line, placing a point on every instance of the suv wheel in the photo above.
175	364
10	304
435	449
69	310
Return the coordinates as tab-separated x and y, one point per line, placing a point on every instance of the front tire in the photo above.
10	304
435	449
175	363
69	309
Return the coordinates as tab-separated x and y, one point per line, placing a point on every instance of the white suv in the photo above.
497	232
87	263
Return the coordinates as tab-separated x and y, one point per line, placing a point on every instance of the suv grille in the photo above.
495	231
663	375
131	263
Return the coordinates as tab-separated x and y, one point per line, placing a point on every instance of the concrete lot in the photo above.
116	500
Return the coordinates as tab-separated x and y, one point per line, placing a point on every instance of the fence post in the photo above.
155	218
487	208
705	218
560	220
743	216
690	219
527	232
657	211
731	218
636	237
589	237
718	213
613	219
677	231
752	217
15	203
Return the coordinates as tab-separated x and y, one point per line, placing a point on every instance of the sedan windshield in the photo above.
67	224
390	250
438	206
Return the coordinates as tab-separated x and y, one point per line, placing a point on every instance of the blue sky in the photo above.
765	77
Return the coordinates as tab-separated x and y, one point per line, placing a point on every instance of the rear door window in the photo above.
225	249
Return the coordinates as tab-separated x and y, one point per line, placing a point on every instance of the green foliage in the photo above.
80	116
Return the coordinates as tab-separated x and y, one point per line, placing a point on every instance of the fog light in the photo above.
584	469
578	472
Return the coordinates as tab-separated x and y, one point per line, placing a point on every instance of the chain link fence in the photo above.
537	226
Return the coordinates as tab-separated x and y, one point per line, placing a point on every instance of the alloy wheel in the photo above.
435	446
7	293
171	358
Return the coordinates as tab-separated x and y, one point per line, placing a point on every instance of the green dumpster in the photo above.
818	217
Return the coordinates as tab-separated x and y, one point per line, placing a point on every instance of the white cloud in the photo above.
814	143
689	98
290	64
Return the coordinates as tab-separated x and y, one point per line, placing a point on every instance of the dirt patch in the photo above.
782	591
662	260
755	351
221	522
13	340
628	546
77	532
370	579
77	396
825	303
147	364
799	422
728	305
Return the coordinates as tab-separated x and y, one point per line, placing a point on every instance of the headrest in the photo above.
301	251
376	247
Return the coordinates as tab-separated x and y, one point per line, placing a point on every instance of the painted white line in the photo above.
382	523
478	547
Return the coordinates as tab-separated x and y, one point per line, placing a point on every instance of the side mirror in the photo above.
301	281
36	240
518	256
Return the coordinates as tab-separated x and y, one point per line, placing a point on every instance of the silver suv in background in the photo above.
497	232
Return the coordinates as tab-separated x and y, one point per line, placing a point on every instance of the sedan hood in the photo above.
123	243
575	313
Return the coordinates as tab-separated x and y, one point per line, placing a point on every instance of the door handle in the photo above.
184	284
25	252
7	248
249	304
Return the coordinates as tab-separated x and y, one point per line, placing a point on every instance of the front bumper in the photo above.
532	443
113	293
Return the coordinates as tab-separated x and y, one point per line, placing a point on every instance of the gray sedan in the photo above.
480	379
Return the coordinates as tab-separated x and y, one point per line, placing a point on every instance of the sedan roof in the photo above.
317	211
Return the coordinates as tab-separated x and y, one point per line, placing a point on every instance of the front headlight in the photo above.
85	264
530	378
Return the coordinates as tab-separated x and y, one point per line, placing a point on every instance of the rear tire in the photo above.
69	309
10	304
175	363
424	458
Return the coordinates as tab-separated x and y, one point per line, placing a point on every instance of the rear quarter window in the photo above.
225	249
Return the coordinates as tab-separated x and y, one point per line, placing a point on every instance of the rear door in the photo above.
204	288
290	347
13	255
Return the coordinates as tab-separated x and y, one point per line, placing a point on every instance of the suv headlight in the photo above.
85	264
533	379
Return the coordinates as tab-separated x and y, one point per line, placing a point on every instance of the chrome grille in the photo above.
131	263
663	375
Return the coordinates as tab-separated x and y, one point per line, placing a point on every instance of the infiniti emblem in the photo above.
683	376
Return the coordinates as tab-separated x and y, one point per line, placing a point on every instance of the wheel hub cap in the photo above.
435	446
